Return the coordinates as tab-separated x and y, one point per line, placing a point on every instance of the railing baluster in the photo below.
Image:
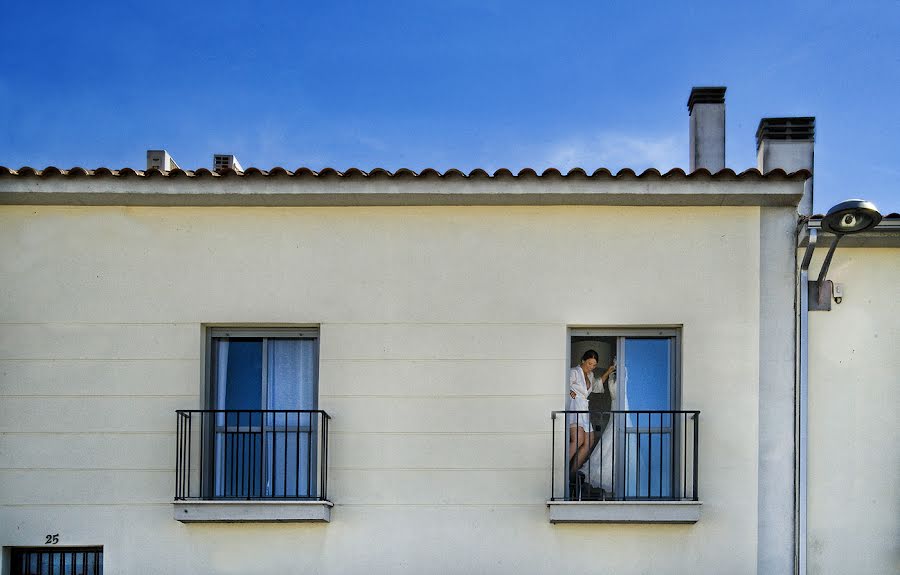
180	447
660	476
271	482
696	458
322	492
616	453
284	464
203	438
684	455
309	471
245	463
552	456
190	437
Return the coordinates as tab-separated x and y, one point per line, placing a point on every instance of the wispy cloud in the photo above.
615	151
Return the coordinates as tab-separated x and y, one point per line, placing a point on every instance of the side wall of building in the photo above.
443	352
853	413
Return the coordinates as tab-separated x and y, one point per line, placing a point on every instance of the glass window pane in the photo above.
239	373
647	373
292	373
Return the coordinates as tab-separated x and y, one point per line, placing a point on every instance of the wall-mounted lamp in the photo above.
846	218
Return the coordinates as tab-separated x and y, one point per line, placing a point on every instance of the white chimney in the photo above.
223	161
788	143
161	160
706	107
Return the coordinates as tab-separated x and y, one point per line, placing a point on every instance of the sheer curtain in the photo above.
221	383
273	454
291	437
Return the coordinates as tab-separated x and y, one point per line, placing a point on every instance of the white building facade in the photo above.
257	372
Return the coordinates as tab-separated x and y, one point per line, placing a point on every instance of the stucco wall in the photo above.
854	353
443	344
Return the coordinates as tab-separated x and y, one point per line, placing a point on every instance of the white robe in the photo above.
598	469
579	386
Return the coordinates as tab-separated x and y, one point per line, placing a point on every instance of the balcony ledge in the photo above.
253	511
624	511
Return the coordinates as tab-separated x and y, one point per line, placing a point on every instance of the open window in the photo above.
623	436
261	437
264	388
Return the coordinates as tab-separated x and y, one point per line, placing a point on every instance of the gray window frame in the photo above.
674	333
208	395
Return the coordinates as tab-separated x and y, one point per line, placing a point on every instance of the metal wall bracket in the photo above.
819	297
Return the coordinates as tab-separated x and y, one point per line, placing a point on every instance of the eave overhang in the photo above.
303	187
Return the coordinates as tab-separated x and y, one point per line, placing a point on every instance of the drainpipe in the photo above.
802	407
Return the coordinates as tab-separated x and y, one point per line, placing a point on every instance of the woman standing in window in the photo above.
581	383
581	432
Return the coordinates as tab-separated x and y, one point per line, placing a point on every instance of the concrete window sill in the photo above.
253	511
624	511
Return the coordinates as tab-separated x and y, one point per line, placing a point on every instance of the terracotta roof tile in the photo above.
549	173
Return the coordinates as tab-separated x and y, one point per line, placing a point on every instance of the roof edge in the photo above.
279	172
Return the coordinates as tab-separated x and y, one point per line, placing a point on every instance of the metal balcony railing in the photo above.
251	455
647	455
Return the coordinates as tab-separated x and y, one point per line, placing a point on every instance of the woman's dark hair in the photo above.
590	354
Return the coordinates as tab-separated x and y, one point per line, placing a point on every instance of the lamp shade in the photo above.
851	217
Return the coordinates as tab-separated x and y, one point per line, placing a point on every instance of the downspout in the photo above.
802	407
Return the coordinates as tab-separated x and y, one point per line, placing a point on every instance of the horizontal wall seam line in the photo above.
451	433
466	359
320	324
75	395
108	359
530	469
460	396
173	432
463	323
331	468
91	469
135	504
169	323
541	505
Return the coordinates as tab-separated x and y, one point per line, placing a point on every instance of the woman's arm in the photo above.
609	371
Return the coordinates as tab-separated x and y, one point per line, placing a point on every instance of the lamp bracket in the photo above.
819	295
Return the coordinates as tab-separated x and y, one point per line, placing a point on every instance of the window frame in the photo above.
630	511
674	332
208	394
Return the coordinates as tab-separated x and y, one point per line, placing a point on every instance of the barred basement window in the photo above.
57	561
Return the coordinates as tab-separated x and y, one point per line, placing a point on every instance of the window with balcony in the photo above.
262	440
622	444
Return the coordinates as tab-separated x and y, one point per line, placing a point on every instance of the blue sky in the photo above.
448	84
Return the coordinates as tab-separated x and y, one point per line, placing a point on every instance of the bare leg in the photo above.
577	439
584	448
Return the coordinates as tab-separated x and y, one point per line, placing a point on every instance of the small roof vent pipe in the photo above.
706	107
226	161
788	143
161	160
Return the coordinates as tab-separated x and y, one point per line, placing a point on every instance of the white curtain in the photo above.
291	374
291	384
221	352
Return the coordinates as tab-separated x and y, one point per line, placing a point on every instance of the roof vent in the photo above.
706	95
226	161
706	108
161	160
788	144
803	129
